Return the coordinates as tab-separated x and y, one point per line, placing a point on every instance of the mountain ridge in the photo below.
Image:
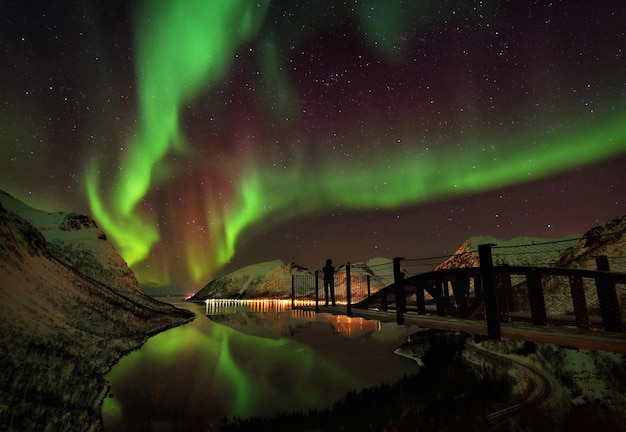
575	250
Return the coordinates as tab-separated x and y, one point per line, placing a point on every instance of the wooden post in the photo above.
536	299
478	293
505	299
348	291
440	299
445	289
489	287
369	292
460	288
293	292
383	301
317	292
580	303
478	287
398	280
607	297
419	299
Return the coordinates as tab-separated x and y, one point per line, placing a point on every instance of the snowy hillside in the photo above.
519	251
76	240
273	278
380	271
573	251
270	279
551	388
62	326
608	239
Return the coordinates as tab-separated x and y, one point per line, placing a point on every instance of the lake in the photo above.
249	360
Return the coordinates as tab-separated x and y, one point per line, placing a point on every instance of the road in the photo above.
544	386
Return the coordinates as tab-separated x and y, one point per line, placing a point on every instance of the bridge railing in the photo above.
497	293
551	296
307	289
547	296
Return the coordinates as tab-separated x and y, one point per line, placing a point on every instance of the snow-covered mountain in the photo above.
70	308
608	239
518	251
379	270
76	240
271	279
574	251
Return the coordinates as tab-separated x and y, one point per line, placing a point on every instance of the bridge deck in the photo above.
564	336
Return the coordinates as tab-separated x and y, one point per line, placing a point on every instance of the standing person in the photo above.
329	281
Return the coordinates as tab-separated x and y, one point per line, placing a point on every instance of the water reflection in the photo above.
249	360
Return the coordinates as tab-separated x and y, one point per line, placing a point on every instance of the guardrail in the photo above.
544	296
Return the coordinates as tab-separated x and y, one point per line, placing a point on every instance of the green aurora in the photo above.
186	48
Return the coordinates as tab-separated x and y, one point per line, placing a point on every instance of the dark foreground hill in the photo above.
70	308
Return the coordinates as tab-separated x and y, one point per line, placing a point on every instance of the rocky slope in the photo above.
70	308
574	251
519	251
608	239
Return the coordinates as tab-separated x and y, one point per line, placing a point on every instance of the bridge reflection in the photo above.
282	308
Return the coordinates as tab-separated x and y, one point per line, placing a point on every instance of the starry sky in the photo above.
206	135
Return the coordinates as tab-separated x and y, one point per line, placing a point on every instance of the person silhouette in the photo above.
329	281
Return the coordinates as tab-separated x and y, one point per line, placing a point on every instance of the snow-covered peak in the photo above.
380	271
607	239
518	251
77	241
271	279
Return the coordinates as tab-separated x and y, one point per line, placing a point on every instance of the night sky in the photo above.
204	135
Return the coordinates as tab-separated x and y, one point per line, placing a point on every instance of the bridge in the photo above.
572	307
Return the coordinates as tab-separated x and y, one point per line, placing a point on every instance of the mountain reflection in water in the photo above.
250	360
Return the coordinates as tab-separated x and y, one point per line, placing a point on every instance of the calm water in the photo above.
255	360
